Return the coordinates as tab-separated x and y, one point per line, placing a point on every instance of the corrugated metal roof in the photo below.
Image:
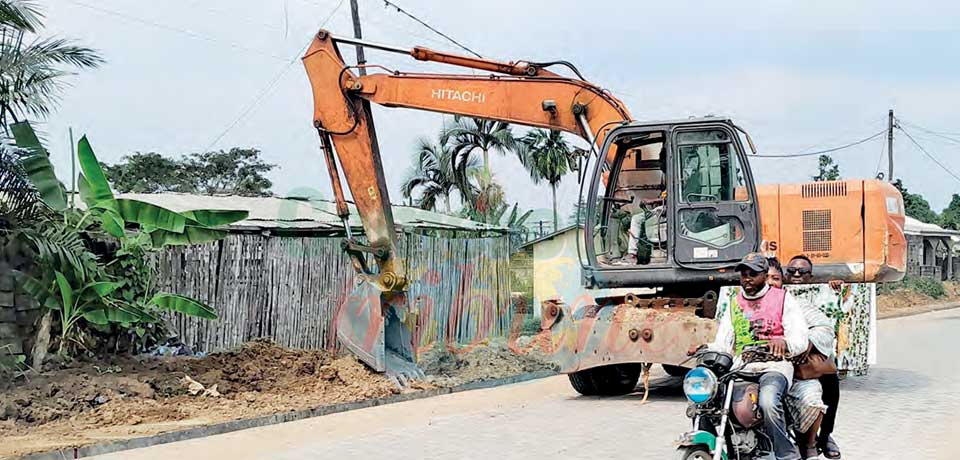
550	236
301	213
913	226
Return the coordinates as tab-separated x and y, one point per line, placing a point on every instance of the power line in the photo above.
930	155
270	85
821	152
883	151
169	28
401	10
932	132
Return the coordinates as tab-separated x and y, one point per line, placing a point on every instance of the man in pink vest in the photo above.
771	316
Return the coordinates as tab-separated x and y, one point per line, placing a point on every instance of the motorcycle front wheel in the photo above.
693	453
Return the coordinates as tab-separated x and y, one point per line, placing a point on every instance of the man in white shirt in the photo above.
761	314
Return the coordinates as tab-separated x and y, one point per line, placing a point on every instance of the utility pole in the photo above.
890	145
361	60
73	170
358	34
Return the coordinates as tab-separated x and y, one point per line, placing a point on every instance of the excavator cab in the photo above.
674	205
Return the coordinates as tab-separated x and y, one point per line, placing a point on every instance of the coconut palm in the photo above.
465	135
435	175
548	158
32	68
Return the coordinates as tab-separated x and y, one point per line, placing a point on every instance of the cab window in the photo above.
709	167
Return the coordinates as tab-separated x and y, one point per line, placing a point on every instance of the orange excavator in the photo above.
671	208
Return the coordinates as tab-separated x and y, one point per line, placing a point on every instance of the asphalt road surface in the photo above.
905	408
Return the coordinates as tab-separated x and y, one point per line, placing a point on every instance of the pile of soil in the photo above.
126	397
450	366
908	300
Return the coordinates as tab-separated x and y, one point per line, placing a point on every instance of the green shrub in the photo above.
927	286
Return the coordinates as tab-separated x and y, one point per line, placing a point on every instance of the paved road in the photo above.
904	409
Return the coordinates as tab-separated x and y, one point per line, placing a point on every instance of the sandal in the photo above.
830	448
809	452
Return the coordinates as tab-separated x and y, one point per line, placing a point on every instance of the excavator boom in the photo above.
372	322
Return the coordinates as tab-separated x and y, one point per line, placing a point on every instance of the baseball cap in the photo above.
754	261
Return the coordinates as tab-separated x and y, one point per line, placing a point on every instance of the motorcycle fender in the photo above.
699	438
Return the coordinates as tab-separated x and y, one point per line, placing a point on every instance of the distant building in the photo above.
930	250
556	268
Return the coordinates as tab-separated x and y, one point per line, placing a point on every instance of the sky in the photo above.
185	76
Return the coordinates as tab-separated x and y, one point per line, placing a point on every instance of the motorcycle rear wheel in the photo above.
693	453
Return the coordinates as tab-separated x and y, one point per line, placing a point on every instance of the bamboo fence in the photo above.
288	287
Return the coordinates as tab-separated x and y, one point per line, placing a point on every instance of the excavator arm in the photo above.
377	316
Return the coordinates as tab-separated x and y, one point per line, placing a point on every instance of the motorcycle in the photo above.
724	405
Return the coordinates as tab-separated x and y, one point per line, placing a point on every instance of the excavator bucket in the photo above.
378	327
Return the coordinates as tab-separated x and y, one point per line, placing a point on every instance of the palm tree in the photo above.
548	158
466	134
19	14
32	69
435	175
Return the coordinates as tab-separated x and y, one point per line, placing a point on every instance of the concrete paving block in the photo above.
7	281
6	299
25	302
8	315
9	330
11	346
28	317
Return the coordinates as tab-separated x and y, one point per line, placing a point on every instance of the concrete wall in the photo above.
18	312
556	269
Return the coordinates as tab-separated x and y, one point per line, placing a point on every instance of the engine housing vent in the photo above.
824	189
817	230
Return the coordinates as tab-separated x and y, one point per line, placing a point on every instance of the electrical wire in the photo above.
169	28
401	10
947	133
821	152
932	132
883	150
929	155
270	85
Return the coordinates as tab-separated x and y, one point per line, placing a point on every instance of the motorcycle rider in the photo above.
764	314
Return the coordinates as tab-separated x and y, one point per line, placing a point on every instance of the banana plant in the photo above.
165	227
104	294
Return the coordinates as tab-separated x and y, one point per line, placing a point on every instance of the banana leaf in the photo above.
66	293
190	235
215	217
111	221
97	183
117	312
185	305
145	214
38	168
86	195
102	288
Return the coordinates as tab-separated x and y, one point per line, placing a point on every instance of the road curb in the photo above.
283	417
920	311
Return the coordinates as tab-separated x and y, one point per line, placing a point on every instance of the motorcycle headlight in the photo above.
699	385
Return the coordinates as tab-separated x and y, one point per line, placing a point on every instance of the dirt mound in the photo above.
904	299
120	397
449	366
